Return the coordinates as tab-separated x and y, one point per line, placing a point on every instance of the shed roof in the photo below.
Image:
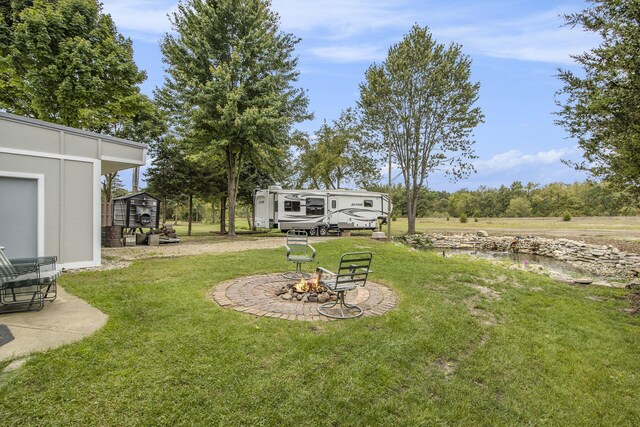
132	195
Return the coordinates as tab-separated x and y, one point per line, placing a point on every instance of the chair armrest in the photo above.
324	270
43	260
366	270
313	252
288	249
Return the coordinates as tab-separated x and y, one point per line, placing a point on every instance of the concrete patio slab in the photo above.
63	321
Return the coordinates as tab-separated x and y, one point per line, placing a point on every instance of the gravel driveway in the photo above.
122	257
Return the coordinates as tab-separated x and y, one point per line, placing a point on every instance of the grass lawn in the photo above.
468	344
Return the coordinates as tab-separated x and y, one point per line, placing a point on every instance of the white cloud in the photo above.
491	28
141	16
534	37
337	19
360	53
537	37
515	159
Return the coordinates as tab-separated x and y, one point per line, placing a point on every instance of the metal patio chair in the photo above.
26	283
299	251
352	272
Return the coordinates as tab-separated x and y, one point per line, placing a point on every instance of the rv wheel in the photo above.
313	232
322	231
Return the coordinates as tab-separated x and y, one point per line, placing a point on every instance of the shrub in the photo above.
394	218
447	218
566	217
463	218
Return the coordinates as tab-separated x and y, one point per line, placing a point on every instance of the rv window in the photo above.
368	203
333	204
315	206
290	206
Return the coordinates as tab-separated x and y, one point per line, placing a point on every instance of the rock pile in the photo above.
597	259
289	293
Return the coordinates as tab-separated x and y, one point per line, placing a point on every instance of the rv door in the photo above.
332	211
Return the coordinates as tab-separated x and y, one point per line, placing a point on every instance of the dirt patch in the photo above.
486	318
190	248
488	292
449	366
446	366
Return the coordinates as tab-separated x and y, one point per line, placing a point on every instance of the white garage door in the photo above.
19	216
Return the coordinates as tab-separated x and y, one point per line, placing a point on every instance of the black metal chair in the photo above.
352	272
26	283
299	251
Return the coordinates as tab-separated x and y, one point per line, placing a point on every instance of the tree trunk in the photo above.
232	173
213	210
107	186
190	214
412	207
223	214
135	180
163	210
247	212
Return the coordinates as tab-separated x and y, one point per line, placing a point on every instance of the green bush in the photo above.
394	218
566	217
447	218
463	218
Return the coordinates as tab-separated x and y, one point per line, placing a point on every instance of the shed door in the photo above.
19	217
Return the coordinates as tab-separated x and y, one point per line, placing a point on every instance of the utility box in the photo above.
153	240
140	210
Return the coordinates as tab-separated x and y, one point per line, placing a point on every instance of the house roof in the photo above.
71	130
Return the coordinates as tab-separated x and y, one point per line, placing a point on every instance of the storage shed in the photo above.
140	210
50	188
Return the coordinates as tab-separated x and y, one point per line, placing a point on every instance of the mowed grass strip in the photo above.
468	344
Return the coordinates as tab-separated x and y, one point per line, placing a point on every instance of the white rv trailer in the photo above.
319	211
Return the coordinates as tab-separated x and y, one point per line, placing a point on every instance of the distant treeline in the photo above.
518	200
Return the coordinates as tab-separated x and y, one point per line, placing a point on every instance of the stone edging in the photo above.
256	295
597	259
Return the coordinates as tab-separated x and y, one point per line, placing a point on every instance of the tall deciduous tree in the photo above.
174	175
602	108
420	101
230	71
339	156
65	62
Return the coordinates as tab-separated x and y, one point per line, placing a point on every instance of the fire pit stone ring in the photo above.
256	295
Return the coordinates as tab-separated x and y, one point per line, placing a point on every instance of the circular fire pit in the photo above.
257	295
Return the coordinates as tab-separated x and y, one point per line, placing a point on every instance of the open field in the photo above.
615	227
623	232
622	227
469	343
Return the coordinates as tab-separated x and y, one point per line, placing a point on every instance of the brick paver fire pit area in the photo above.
260	296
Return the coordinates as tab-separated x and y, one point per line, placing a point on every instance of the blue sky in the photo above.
516	47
